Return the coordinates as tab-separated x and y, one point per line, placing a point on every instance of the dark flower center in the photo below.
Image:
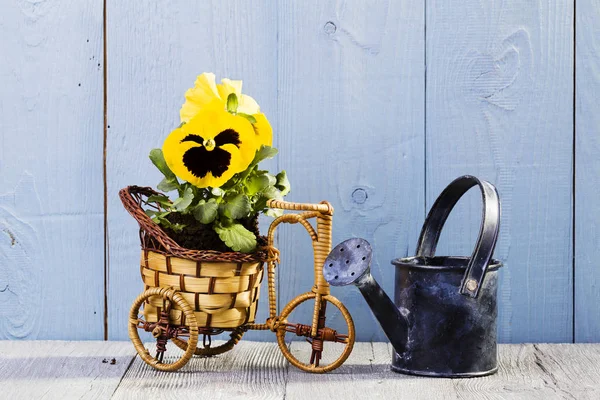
200	161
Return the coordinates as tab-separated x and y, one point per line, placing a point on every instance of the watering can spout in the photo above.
350	263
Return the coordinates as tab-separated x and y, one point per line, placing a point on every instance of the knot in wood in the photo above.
329	28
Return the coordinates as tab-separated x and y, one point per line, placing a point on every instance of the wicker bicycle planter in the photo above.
188	292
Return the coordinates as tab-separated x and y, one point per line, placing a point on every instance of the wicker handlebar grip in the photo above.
324	207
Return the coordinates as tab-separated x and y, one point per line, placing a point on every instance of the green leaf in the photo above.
237	207
264	153
158	159
170	182
257	183
178	227
272	193
236	237
217	192
184	201
167	186
274	212
283	183
162	222
150	213
249	117
160	217
160	199
269	193
206	211
272	178
232	103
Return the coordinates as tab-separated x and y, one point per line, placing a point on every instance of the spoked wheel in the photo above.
326	339
207	350
162	330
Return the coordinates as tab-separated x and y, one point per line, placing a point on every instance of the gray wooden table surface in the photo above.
253	370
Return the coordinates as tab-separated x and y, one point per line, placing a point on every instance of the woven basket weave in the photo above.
222	288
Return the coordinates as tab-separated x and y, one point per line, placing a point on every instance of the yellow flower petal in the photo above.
212	147
207	93
204	92
228	86
247	105
263	130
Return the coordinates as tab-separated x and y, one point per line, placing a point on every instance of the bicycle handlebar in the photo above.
323	207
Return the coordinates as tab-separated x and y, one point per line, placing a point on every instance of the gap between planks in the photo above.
104	171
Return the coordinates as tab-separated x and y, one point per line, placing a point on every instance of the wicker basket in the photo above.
222	288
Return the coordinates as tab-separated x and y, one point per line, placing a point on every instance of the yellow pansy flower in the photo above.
263	130
212	147
205	91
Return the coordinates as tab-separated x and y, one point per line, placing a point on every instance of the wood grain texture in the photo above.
252	370
587	184
257	370
343	84
62	370
155	52
366	374
55	369
499	106
538	371
350	108
51	224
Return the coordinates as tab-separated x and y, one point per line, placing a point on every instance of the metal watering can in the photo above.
443	319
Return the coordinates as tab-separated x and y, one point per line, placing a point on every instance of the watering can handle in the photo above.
488	232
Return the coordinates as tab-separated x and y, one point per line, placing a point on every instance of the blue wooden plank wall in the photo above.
500	106
376	105
587	166
51	192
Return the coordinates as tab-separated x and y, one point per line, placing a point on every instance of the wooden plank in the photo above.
572	369
499	106
155	52
366	374
526	372
51	201
251	370
56	369
62	370
539	371
587	184
351	117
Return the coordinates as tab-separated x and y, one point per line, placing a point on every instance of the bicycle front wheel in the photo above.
338	344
